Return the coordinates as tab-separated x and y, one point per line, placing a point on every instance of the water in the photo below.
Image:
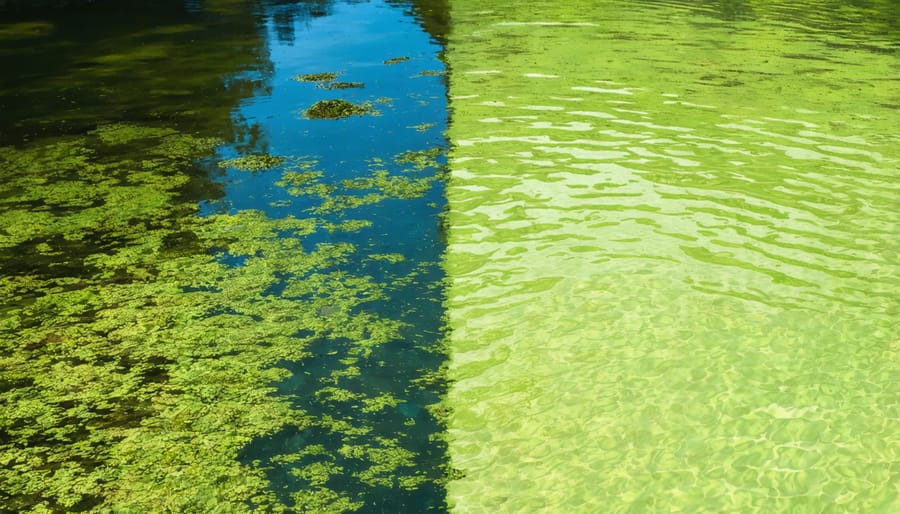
670	283
210	301
673	253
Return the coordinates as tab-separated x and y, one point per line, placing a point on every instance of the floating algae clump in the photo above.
334	109
396	60
340	85
328	81
256	162
317	77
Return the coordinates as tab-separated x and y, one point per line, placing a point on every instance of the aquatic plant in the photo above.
256	162
423	127
340	85
140	344
317	77
396	60
421	159
338	108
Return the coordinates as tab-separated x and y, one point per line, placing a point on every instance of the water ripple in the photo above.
677	289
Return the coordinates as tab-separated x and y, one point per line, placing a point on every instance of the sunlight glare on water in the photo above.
673	257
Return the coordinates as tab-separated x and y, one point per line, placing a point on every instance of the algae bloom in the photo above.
340	85
256	162
334	109
317	77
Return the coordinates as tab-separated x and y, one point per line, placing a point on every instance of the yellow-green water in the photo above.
673	256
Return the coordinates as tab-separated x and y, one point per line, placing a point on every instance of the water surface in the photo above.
673	256
210	302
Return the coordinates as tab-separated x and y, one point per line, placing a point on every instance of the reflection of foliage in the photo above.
103	61
140	344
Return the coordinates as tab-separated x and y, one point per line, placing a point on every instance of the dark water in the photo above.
210	301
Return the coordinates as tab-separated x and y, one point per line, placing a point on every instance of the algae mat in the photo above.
208	302
673	257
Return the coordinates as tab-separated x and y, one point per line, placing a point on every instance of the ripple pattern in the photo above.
673	259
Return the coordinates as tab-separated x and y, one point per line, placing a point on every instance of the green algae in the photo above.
340	85
423	127
145	350
256	162
328	81
420	172
123	133
420	159
138	373
390	257
317	77
336	109
396	60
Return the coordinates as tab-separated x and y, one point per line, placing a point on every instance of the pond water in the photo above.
673	254
213	299
574	256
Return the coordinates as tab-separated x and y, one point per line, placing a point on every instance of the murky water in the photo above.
674	256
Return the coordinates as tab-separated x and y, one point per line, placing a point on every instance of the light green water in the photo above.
673	251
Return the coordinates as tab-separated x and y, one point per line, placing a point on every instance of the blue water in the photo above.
354	40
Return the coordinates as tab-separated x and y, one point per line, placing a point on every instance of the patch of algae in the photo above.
420	169
338	108
340	85
137	364
317	77
396	60
256	162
